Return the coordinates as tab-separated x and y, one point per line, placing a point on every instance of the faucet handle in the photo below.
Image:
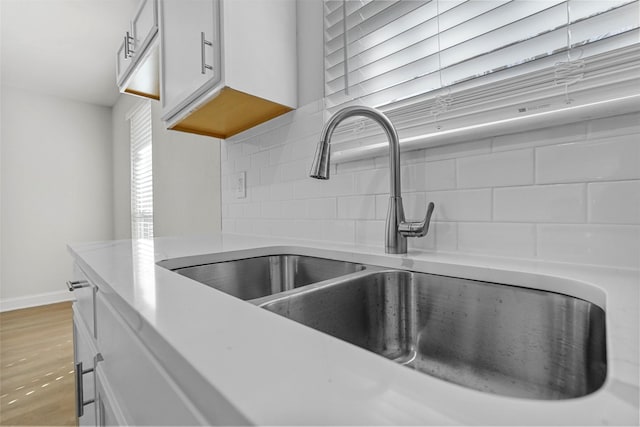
417	228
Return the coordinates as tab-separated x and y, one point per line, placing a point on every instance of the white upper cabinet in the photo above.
190	50
227	65
145	24
137	63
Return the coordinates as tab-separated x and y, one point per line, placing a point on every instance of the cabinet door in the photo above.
84	357
123	61
108	411
144	25
190	51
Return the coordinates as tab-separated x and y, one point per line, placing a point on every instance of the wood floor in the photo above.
36	366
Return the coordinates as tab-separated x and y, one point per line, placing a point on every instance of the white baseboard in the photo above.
8	304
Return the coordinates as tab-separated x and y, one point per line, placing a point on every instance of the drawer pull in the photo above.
203	42
77	284
80	402
128	41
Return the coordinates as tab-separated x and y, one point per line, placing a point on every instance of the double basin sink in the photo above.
497	338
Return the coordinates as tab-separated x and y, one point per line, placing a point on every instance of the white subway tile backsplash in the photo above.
250	210
270	175
429	176
542	203
259	160
625	124
382	204
252	177
406	158
305	148
461	205
279	155
234	151
568	193
374	181
441	175
503	169
415	206
321	208
355	166
510	240
343	231
306	229
442	237
295	171
539	137
282	191
242	164
307	124
454	151
250	147
614	202
259	193
370	233
357	207
338	185
605	160
236	211
613	245
271	209
296	209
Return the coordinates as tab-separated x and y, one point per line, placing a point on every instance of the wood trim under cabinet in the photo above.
229	113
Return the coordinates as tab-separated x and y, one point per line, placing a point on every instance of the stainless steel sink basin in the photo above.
496	338
252	278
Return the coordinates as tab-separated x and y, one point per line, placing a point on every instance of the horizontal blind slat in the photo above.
476	39
141	173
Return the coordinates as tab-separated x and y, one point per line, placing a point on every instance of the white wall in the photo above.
186	177
56	188
186	181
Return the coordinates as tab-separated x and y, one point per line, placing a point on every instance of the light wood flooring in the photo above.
36	366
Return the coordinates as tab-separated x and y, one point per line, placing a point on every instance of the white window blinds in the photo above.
141	173
452	58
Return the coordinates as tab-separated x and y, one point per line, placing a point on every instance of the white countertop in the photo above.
277	372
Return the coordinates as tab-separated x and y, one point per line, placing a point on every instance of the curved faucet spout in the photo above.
322	160
397	230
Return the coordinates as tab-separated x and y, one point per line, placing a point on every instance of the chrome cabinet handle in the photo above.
80	402
77	284
128	41
417	228
203	42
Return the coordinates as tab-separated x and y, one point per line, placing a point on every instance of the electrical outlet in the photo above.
240	185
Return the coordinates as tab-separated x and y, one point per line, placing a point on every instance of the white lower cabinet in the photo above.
118	380
107	412
144	391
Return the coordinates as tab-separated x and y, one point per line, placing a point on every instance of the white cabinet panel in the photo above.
142	389
123	61
144	25
108	413
190	45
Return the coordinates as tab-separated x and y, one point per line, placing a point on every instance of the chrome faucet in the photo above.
396	229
